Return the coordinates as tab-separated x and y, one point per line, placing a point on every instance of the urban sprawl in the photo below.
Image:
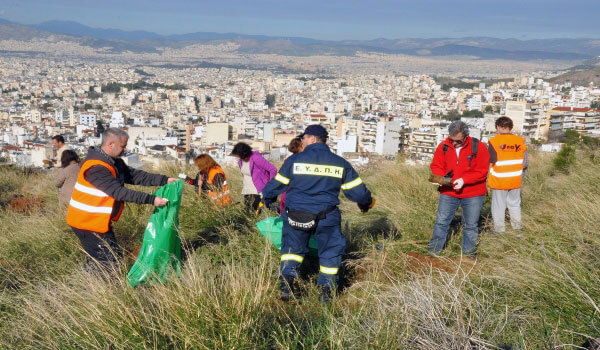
174	114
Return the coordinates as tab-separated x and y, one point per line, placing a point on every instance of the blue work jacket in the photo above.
313	180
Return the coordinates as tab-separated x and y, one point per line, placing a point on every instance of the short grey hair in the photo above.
458	126
110	133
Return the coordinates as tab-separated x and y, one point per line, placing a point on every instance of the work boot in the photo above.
325	296
287	288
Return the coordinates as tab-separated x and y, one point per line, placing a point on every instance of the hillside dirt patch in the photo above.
423	264
26	204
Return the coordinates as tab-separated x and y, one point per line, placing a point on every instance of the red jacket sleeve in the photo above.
438	164
479	167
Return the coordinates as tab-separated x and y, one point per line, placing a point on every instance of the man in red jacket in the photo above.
465	161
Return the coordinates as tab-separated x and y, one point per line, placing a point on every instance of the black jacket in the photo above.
101	178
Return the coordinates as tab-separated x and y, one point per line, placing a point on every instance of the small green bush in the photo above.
564	159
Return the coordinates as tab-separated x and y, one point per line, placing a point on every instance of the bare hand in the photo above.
171	179
160	202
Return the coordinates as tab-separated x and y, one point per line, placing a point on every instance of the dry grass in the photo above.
535	289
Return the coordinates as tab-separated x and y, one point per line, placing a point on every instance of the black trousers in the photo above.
102	249
251	201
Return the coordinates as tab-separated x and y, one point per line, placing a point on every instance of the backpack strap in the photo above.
474	147
445	149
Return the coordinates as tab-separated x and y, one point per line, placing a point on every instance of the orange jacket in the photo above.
506	173
90	208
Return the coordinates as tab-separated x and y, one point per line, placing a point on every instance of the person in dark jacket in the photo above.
256	171
466	172
313	179
99	194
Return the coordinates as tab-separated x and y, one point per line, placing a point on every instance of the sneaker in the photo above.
325	296
287	288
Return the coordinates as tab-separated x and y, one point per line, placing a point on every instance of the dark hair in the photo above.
321	139
242	150
504	122
204	162
295	145
59	138
67	157
458	126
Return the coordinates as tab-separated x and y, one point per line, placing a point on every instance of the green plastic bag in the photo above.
272	228
160	254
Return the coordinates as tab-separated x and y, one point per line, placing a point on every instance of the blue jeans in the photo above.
471	208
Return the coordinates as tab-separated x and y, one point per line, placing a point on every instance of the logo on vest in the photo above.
515	147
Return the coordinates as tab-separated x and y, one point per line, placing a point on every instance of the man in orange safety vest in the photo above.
508	159
99	195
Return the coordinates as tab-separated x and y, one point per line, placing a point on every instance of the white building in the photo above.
474	103
387	141
346	144
117	120
88	120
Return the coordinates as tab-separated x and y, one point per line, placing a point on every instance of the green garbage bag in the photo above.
160	254
272	228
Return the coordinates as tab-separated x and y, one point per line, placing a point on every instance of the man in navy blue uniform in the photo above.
313	179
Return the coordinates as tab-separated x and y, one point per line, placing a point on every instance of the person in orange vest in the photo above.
99	195
508	159
211	181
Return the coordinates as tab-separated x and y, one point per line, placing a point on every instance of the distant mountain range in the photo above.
144	41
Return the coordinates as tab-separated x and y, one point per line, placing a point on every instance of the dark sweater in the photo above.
101	178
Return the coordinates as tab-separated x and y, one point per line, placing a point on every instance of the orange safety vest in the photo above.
90	208
506	173
221	196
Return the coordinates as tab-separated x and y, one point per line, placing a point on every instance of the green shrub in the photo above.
564	159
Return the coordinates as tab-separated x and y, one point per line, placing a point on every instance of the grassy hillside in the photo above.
530	290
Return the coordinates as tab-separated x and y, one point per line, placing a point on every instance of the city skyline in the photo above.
333	20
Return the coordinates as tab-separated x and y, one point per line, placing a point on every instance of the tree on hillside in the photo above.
595	104
489	109
472	114
99	128
270	100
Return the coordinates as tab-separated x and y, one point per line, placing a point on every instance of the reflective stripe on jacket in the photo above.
506	173
313	180
219	195
90	208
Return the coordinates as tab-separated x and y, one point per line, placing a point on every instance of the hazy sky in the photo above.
326	19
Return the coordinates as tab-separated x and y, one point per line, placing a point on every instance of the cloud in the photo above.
2	12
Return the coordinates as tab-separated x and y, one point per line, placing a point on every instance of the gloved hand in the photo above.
189	180
365	208
267	202
186	179
458	184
